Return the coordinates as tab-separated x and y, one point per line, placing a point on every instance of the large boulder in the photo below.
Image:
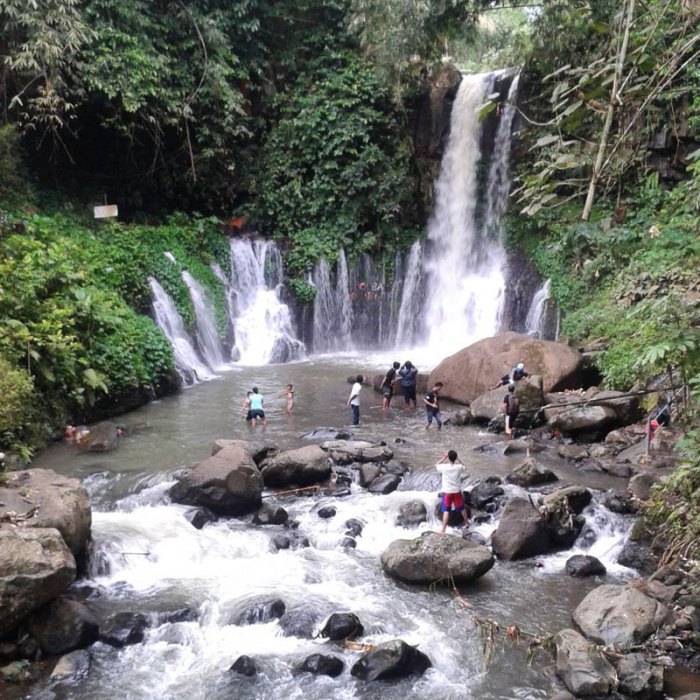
229	483
301	467
433	557
639	678
347	451
56	501
584	419
619	615
63	625
584	670
412	513
575	498
394	659
582	565
472	371
531	473
525	530
35	566
257	450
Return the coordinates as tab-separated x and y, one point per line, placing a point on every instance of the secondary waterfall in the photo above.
534	323
187	362
207	336
263	325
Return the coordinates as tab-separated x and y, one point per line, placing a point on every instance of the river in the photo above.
147	557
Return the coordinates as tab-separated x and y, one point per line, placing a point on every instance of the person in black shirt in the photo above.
432	406
387	386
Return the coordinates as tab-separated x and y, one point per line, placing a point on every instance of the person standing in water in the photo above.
289	393
408	375
387	386
432	406
245	408
452	470
511	407
354	399
256	407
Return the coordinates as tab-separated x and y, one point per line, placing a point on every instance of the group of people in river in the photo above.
253	407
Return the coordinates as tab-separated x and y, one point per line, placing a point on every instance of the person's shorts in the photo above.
409	392
257	413
387	393
452	501
249	415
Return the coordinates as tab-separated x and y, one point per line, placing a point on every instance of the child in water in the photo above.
289	393
245	408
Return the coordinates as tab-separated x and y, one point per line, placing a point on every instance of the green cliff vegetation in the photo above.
300	116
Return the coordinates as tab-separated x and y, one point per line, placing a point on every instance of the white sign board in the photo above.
107	211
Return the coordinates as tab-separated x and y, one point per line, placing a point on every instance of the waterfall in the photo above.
409	315
464	264
534	323
207	335
262	322
333	313
230	310
187	362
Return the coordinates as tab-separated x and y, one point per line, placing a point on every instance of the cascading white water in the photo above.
536	313
207	336
409	317
263	324
333	315
187	361
465	282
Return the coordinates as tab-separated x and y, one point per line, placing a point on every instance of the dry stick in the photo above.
315	487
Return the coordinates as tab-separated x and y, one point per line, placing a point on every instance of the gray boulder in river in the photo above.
55	501
347	451
584	670
229	483
35	566
434	557
301	467
619	615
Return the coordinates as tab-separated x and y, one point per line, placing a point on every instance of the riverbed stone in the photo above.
35	566
56	501
103	437
124	628
638	556
640	678
619	615
323	665
573	452
72	666
394	659
257	450
582	565
384	484
578	420
259	612
523	531
342	626
582	668
484	493
577	498
228	483
244	665
434	557
347	451
412	513
271	515
369	472
640	485
531	473
199	517
326	512
63	625
303	466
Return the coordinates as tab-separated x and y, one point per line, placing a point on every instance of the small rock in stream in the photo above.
245	666
323	665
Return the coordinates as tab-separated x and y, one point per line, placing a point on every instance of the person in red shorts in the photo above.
452	471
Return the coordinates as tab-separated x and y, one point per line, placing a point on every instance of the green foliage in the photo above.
17	390
302	290
334	170
14	188
65	322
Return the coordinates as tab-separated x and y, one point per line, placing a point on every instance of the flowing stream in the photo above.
147	557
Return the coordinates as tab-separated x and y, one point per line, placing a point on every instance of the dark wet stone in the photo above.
323	665
348	542
342	626
394	659
326	512
174	616
354	527
299	622
199	517
385	484
484	493
124	628
271	515
245	666
412	513
581	565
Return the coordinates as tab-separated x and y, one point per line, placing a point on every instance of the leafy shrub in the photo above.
17	391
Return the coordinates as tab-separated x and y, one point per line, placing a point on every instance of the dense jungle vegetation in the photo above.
299	115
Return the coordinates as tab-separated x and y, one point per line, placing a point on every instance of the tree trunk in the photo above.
626	20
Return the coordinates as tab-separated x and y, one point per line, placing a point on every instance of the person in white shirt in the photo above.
354	400
452	471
